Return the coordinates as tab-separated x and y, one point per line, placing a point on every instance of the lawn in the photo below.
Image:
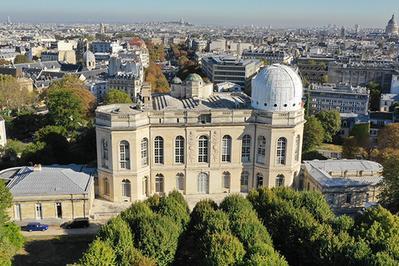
56	250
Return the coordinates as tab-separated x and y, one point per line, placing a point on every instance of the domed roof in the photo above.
277	88
176	80
193	77
88	56
392	20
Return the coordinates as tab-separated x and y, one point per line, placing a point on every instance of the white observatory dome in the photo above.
277	88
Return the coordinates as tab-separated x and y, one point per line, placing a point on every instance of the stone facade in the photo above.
114	128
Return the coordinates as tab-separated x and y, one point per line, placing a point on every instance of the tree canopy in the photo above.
11	239
313	134
116	96
331	122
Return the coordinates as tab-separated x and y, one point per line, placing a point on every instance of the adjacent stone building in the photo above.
203	144
51	193
348	185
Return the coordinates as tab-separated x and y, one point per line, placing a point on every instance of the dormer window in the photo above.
204	119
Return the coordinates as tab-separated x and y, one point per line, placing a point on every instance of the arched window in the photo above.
226	180
280	180
281	150
126	188
145	186
259	180
203	149
244	181
144	152
159	183
179	149
203	183
124	155
297	147
246	149
261	151
226	149
180	181
104	149
158	149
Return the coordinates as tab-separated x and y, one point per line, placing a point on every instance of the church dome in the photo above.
277	88
193	77
176	80
89	60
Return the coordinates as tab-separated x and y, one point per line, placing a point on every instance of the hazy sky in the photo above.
287	13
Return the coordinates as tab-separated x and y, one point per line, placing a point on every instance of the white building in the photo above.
223	142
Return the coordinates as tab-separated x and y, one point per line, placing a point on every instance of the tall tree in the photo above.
65	109
389	196
12	95
11	239
117	96
388	137
375	94
331	122
20	59
73	84
313	134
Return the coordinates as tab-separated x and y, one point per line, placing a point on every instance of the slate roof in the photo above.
319	170
51	180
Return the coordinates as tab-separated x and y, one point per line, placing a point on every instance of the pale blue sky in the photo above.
229	12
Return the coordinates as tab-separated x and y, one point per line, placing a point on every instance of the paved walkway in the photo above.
55	230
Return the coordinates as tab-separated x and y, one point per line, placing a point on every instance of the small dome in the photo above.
176	80
88	56
193	77
277	88
89	60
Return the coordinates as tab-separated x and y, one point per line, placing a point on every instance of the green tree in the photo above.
117	233
76	87
100	253
116	96
11	239
224	249
313	134
12	96
375	95
65	109
20	59
331	122
389	196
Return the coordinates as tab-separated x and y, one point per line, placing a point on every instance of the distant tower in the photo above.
356	29
102	28
392	27
9	20
343	32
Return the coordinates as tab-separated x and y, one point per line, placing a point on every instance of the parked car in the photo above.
77	223
36	227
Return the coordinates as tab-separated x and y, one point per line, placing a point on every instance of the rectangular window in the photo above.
17	212
179	150
349	198
38	211
58	210
246	149
203	150
204	119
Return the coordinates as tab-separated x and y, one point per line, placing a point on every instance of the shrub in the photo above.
157	237
224	249
117	233
100	253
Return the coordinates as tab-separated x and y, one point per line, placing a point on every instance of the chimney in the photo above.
37	167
